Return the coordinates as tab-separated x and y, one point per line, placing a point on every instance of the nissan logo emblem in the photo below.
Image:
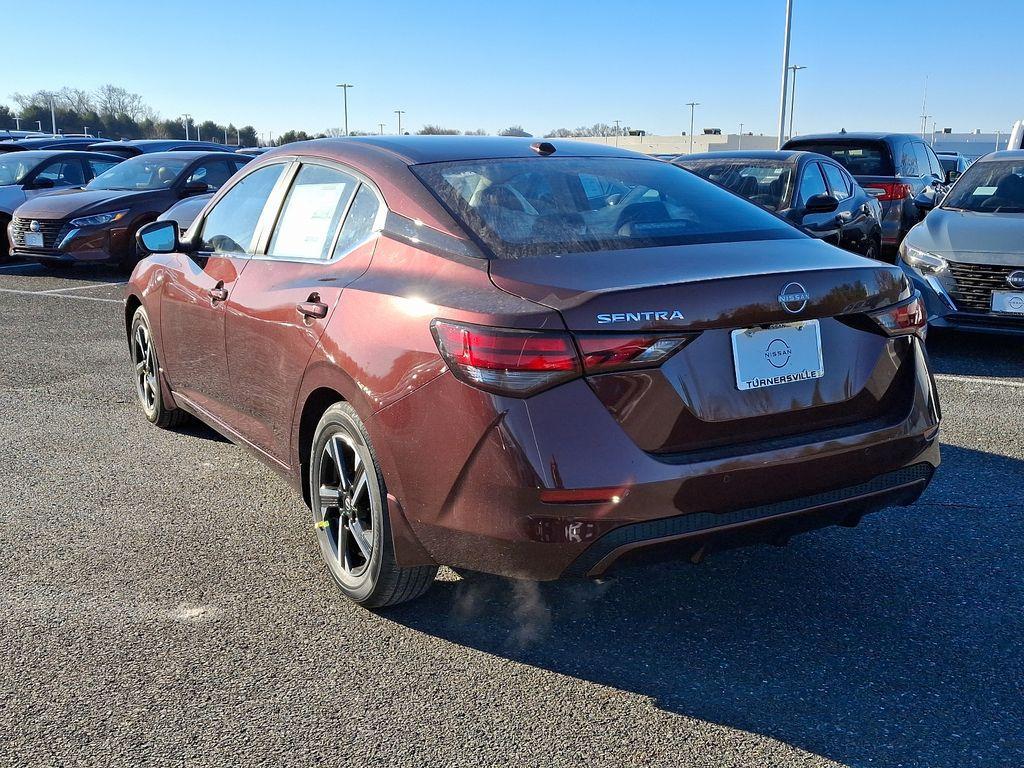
1016	279
794	298
34	226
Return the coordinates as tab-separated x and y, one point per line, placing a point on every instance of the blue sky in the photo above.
540	64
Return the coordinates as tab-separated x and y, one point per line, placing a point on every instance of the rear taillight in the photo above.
903	319
520	363
886	192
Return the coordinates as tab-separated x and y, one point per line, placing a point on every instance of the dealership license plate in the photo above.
780	354
1008	301
33	239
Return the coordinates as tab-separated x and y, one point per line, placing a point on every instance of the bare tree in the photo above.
437	130
114	100
477	132
514	130
75	100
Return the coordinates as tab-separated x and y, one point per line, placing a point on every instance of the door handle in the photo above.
218	294
312	309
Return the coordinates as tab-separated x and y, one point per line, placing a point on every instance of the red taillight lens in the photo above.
519	363
888	191
506	361
903	319
603	353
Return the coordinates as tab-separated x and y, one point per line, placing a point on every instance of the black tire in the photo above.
342	460
146	373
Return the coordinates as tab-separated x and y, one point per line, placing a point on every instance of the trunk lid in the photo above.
692	403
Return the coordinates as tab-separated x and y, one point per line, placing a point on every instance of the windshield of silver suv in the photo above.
141	173
992	187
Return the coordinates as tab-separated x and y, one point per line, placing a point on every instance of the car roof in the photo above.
779	155
414	150
1003	154
188	155
859	135
43	154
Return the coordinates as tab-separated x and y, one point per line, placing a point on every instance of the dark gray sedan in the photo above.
967	256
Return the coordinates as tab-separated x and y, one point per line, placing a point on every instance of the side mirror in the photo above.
158	237
821	204
41	184
195	188
925	202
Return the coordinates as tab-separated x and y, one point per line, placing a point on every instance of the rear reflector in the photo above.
603	353
584	495
506	361
903	319
885	191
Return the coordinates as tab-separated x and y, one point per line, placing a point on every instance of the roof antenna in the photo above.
543	148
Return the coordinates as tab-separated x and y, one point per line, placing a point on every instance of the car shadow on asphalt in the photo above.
895	643
976	354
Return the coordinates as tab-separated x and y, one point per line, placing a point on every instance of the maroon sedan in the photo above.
531	359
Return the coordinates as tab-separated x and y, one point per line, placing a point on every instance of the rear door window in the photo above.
836	181
231	224
63	173
312	213
909	160
923	161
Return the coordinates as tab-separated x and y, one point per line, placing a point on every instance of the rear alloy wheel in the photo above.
147	375
349	511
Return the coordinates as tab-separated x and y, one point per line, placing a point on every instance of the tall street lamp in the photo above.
785	72
344	87
792	99
692	105
381	125
739	141
17	123
185	119
399	112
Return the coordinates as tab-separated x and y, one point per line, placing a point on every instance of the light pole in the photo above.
225	136
85	130
785	72
381	125
692	105
185	119
53	117
792	99
618	131
17	123
344	87
40	124
739	142
399	112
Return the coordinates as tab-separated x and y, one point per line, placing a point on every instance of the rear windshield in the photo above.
536	206
860	158
995	187
764	183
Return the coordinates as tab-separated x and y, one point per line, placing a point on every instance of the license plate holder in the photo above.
779	354
1010	302
33	239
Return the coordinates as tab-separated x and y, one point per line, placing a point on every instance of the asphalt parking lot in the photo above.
164	603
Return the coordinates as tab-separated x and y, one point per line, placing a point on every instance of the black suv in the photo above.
894	168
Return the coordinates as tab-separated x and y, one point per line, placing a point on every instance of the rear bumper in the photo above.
698	534
475	500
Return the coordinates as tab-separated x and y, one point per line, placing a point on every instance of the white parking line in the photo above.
82	287
979	380
59	296
22	264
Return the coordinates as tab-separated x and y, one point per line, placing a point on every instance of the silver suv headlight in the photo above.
929	263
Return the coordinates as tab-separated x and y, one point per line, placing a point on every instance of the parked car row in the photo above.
97	202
